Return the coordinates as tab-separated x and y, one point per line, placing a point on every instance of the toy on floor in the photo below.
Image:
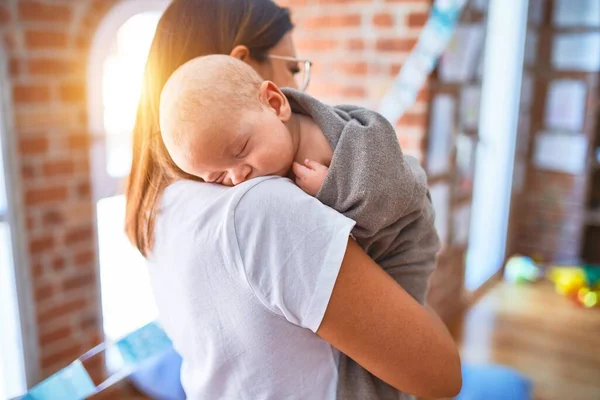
579	283
521	269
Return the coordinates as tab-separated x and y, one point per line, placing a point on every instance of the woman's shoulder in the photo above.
199	197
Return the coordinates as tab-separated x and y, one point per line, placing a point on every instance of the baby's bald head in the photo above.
202	99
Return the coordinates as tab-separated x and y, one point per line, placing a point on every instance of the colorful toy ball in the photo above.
588	298
567	280
520	269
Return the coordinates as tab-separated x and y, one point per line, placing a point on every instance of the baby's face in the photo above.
257	144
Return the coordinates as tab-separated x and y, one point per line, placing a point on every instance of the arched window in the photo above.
117	61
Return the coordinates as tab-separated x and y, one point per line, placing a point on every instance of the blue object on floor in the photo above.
494	382
159	379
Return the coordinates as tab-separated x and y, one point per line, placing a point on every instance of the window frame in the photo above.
14	217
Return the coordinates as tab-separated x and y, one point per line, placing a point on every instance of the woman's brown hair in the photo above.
188	29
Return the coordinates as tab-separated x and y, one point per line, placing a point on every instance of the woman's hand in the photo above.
310	176
371	319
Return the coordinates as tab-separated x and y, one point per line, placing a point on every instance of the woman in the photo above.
257	284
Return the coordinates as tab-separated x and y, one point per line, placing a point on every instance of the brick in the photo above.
52	67
58	264
395	69
80	281
324	89
416	20
102	6
353	91
383	20
58	168
41	245
79	141
353	69
78	235
332	21
33	145
67	307
55	335
28	172
85	257
395	45
14	67
355	44
4	13
31	93
36	39
35	11
62	358
88	322
52	218
37	270
29	119
46	195
412	119
72	92
317	44
408	142
44	292
84	190
80	211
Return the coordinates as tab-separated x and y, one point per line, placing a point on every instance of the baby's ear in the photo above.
275	100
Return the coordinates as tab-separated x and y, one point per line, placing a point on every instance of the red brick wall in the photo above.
357	45
46	44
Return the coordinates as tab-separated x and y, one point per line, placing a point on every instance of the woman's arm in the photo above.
374	321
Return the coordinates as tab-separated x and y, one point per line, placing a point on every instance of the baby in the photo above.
222	123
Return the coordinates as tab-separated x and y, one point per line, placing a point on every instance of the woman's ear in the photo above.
272	97
240	52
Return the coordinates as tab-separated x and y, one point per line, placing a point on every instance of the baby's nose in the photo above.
240	175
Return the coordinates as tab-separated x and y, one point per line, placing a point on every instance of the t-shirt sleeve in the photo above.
290	247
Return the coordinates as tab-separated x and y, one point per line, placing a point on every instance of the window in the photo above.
117	63
12	363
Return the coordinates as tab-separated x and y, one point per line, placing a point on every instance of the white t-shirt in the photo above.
242	277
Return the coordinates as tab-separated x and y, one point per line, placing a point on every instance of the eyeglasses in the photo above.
303	76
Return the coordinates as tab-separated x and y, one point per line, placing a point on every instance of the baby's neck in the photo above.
309	140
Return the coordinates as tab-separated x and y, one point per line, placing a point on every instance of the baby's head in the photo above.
222	123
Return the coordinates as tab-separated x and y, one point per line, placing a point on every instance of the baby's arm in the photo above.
310	176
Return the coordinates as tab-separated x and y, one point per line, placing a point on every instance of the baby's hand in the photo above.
310	176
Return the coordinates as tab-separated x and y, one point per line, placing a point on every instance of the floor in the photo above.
529	328
539	333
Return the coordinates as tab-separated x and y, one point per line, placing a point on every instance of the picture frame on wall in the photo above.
565	105
569	13
560	152
576	51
